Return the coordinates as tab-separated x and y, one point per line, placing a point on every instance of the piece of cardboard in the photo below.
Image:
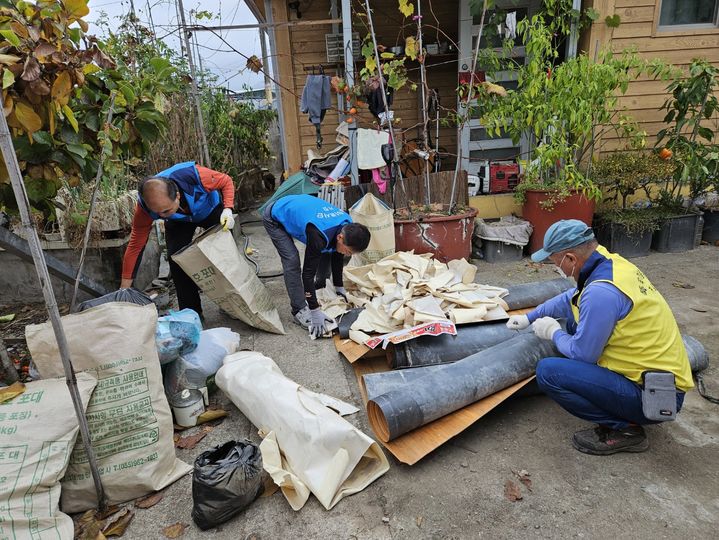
354	351
413	446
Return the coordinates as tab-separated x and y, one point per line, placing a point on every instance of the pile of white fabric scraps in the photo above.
404	289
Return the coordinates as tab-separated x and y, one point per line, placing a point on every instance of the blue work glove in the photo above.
341	292
318	323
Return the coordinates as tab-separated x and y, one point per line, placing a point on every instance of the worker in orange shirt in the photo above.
185	196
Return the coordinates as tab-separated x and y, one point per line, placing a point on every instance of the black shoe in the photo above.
603	441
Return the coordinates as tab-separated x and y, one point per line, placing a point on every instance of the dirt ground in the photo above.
671	491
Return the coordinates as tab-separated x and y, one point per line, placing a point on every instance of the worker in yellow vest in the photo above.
624	362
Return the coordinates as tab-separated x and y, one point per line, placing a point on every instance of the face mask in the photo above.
561	272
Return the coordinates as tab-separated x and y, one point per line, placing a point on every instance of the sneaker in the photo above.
603	441
303	317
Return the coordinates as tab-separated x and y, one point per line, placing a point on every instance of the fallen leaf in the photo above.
512	492
116	525
211	414
419	521
149	501
190	441
524	478
681	285
175	531
7	318
11	392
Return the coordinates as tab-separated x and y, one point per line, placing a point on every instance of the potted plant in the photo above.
620	228
563	109
696	161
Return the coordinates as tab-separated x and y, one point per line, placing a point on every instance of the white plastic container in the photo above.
187	406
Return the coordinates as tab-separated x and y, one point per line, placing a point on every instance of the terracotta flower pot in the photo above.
576	206
447	237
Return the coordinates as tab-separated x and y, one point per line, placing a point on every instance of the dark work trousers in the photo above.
593	392
290	258
177	235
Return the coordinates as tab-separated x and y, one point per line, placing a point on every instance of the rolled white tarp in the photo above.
308	447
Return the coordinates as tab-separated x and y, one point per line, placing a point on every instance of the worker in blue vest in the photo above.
328	234
185	196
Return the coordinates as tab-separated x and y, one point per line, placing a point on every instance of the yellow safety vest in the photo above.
648	338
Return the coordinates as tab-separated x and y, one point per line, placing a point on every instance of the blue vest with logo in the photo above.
200	202
295	212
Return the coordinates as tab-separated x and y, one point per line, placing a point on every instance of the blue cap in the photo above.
564	234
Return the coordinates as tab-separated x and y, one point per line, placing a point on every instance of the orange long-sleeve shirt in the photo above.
142	221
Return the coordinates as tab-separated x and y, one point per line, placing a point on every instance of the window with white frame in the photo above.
699	13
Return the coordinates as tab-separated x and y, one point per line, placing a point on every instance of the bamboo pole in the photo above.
23	204
395	154
91	212
425	118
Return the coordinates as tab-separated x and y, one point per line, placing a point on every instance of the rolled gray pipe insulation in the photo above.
405	399
380	383
443	349
456	385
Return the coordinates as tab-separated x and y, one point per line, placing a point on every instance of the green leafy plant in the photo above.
566	108
57	87
237	133
622	174
688	136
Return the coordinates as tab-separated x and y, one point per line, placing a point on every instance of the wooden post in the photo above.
23	204
286	73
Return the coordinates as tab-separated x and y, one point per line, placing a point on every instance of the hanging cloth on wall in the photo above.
316	99
369	148
373	94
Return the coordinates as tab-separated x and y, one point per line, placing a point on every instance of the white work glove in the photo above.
518	322
318	323
546	327
341	292
226	219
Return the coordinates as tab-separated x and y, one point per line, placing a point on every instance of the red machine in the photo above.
503	176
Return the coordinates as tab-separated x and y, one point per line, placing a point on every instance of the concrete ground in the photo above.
671	491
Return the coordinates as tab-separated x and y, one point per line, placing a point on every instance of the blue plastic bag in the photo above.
177	333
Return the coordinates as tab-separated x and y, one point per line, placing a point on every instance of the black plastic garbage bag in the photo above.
226	480
130	294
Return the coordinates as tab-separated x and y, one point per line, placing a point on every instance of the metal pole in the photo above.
470	97
205	151
395	154
350	80
278	90
574	31
91	212
18	186
268	24
425	118
268	82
